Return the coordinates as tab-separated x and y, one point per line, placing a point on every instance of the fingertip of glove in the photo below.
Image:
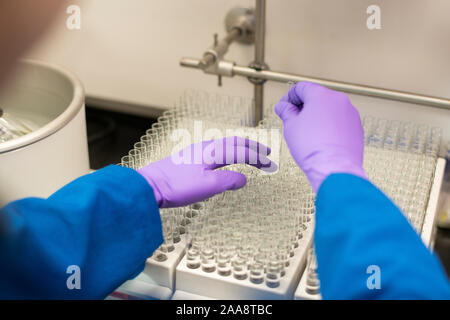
280	106
231	180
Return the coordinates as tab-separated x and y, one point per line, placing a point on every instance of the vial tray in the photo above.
427	233
213	285
157	281
163	272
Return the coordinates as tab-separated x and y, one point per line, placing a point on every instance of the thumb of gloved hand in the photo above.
228	180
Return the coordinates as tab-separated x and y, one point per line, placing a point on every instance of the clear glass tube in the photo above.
128	162
256	271
239	268
141	148
208	259
312	280
223	262
137	158
192	247
168	222
273	274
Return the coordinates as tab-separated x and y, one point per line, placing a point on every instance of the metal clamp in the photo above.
221	68
258	67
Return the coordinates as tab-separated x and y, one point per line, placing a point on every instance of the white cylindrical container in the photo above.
41	162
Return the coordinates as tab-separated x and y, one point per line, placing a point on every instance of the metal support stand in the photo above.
259	64
248	26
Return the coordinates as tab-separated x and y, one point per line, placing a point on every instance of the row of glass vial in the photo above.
270	237
403	136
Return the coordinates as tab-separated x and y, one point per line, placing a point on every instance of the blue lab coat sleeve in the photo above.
99	230
360	235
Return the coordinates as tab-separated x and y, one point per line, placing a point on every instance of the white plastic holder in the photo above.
157	281
183	295
429	224
139	289
212	285
163	272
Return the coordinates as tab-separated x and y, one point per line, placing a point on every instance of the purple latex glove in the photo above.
323	132
188	176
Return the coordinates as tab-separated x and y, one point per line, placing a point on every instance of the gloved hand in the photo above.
323	132
188	176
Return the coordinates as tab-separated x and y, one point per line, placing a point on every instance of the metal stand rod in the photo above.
260	30
259	103
346	87
363	90
260	34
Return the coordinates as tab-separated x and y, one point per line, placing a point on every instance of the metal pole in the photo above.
259	103
258	64
260	30
346	87
363	90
